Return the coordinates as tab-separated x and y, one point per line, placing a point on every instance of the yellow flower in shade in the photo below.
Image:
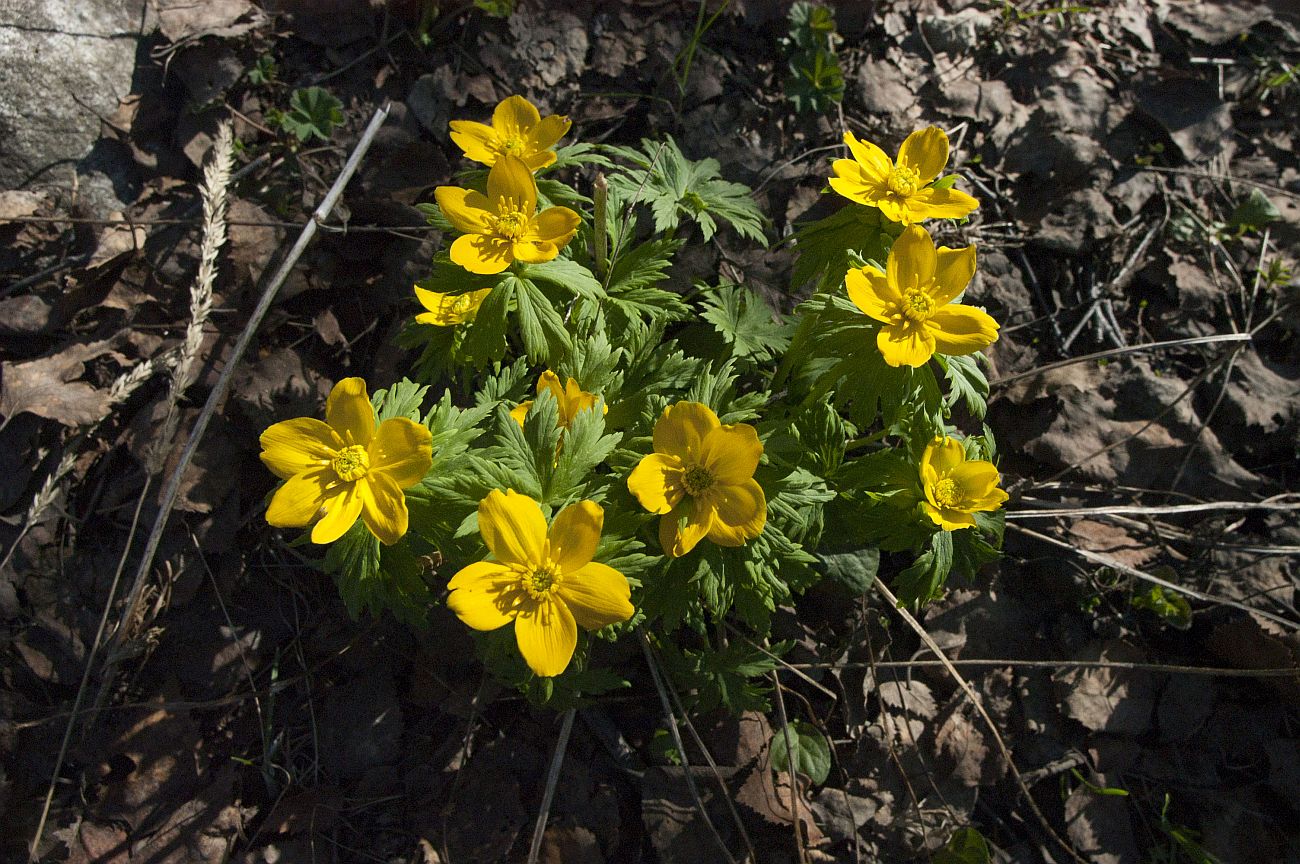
504	226
345	467
913	300
517	130
956	487
544	581
901	189
701	479
570	398
446	310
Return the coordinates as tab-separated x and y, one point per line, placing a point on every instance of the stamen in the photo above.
917	305
542	581
947	493
698	479
903	181
351	463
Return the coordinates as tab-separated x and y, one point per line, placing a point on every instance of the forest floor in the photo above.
1136	162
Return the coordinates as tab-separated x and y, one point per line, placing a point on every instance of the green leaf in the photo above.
1254	213
812	752
374	581
540	327
966	846
1169	606
403	399
569	275
966	382
485	337
313	112
854	570
746	322
823	246
924	580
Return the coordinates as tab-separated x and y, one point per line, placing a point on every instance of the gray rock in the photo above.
67	63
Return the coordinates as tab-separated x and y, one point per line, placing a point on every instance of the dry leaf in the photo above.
181	20
49	388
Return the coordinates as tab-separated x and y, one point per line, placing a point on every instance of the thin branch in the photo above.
1138	510
552	780
999	662
790	765
1116	352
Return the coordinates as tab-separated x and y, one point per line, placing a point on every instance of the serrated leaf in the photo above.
752	329
1254	213
966	846
313	112
812	752
924	580
966	382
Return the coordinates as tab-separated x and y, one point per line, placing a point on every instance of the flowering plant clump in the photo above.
618	455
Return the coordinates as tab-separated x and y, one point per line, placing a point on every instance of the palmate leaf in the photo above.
824	247
676	188
966	383
752	329
374	578
733	677
633	296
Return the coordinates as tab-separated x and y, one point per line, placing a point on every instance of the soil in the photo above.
1137	166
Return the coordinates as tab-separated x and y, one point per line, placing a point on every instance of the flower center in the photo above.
697	479
510	222
542	581
514	145
917	305
947	494
903	181
351	463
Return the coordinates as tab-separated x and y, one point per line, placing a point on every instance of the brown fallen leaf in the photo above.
48	387
182	20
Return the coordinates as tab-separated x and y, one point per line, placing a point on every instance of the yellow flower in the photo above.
570	397
446	310
345	467
901	190
956	487
701	479
913	299
504	226
544	581
517	129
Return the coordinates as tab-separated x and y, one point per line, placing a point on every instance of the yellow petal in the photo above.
896	209
684	527
554	225
534	251
953	271
538	160
937	204
294	446
547	635
958	329
574	533
656	482
548	380
298	501
401	450
348	411
848	181
383	507
741	513
547	133
511	179
682	428
341	512
926	152
904	345
731	453
976	479
870	292
446	310
513	527
948	520
515	117
520	411
876	165
480	254
597	595
467	210
992	501
476	140
944	455
912	260
484	595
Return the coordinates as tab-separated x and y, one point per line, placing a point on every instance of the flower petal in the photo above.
911	260
597	595
511	179
547	133
383	507
656	482
294	446
477	141
905	345
478	253
513	527
992	501
547	635
520	412
742	513
681	429
298	501
896	209
554	225
953	271
848	180
938	204
446	310
401	450
349	413
976	479
684	527
468	210
875	163
574	533
926	152
870	291
958	329
515	116
948	520
341	512
731	453
534	251
548	380
944	456
484	595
